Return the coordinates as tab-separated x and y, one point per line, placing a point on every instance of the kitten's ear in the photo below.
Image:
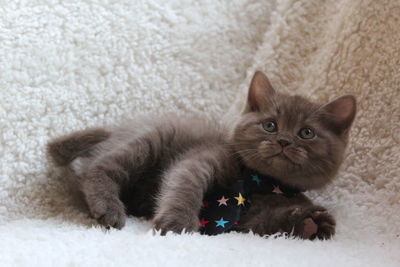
342	111
260	91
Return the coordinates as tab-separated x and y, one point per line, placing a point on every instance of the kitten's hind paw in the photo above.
326	224
109	212
312	222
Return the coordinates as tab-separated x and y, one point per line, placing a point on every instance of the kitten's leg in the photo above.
270	214
101	192
64	149
101	184
183	187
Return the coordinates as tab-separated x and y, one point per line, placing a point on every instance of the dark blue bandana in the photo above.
223	208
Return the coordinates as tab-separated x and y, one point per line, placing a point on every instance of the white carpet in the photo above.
64	66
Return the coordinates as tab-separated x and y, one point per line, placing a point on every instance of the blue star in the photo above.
221	222
256	179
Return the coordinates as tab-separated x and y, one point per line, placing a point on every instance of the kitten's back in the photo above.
169	134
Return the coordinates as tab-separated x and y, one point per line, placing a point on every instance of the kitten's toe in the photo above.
109	213
187	224
326	224
113	219
309	228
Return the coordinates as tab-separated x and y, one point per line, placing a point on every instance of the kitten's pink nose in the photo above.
284	142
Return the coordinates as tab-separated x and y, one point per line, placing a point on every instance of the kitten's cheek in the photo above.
269	149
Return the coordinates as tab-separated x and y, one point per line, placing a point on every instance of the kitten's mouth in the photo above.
277	154
295	156
284	156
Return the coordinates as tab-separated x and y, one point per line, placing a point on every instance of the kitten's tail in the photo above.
66	148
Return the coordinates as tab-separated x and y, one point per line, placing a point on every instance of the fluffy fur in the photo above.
161	168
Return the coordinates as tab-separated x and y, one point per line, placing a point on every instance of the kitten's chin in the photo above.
283	169
269	165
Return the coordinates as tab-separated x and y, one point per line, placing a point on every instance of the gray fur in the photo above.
160	168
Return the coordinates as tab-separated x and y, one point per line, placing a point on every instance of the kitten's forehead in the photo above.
296	105
292	110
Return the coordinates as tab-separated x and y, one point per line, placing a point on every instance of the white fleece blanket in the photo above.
66	65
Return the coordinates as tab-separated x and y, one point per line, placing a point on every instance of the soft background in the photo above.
65	65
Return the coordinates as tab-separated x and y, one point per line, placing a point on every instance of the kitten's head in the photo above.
298	142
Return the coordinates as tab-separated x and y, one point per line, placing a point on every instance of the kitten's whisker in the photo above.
253	157
244	151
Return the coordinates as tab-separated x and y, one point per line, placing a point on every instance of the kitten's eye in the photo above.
306	133
270	126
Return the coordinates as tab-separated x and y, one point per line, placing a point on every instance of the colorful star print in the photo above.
223	207
221	222
223	201
256	179
277	190
240	200
203	222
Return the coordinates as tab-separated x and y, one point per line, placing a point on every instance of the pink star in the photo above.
277	190
222	201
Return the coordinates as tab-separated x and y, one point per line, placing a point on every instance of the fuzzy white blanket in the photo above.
66	65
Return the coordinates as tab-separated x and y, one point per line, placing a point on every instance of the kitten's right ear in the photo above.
342	111
260	91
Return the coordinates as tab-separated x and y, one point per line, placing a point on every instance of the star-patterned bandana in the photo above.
222	208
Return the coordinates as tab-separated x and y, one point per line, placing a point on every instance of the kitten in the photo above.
160	168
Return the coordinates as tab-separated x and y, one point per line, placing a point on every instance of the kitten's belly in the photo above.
139	198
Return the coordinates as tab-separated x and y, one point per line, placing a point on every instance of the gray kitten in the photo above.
160	168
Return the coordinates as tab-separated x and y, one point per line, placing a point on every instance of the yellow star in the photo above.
240	200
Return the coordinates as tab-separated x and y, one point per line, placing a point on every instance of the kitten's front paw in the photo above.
176	224
108	212
312	222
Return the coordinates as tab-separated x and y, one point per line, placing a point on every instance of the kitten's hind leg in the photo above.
66	148
102	197
270	214
101	183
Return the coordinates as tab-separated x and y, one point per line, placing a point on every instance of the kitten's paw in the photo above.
108	212
176	224
326	223
312	222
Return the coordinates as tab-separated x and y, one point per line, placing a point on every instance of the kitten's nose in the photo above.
284	142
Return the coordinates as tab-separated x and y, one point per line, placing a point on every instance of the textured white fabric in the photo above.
65	65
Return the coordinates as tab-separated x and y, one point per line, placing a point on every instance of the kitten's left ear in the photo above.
260	91
342	111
